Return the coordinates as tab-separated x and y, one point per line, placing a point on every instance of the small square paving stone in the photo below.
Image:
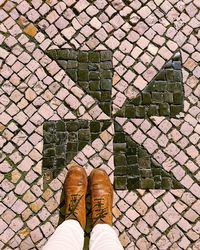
47	229
19	206
21	188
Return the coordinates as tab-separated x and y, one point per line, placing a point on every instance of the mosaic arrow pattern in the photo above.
135	168
163	96
64	139
92	71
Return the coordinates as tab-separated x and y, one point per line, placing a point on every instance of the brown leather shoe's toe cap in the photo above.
76	176
100	179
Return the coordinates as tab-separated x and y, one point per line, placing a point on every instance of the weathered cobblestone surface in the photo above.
63	140
162	97
92	71
142	36
134	167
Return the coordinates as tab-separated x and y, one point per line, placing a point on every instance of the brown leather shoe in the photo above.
75	188
101	197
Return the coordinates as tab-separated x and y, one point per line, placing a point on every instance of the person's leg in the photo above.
103	236
70	234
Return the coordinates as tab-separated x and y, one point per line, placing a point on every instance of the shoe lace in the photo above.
73	205
100	210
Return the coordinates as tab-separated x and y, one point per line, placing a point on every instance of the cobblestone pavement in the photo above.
143	99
